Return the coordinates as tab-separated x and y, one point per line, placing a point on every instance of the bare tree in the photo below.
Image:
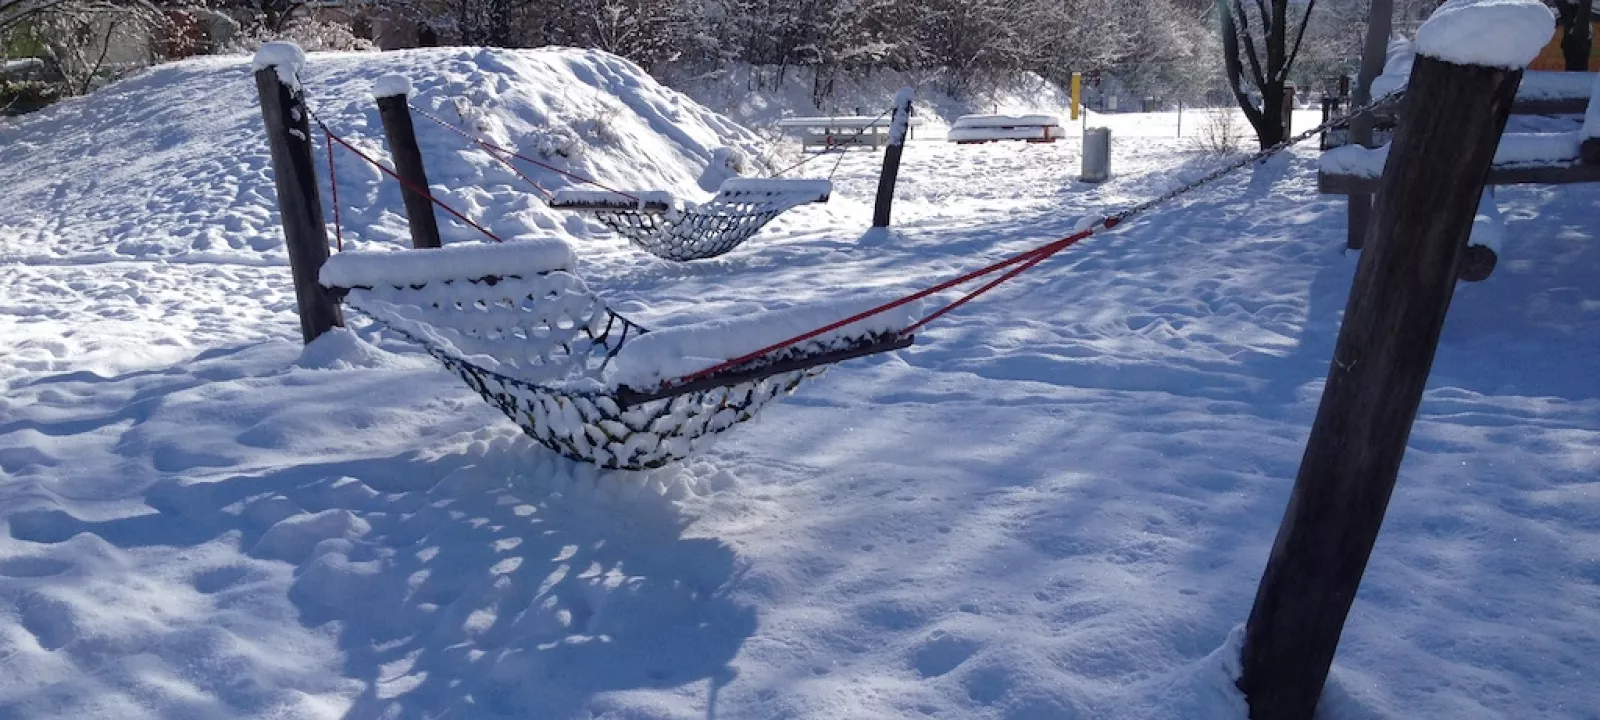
86	42
14	13
1264	49
1577	40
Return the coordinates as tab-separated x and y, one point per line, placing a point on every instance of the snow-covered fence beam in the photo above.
1471	56
393	93
1558	171
277	69
1333	183
898	125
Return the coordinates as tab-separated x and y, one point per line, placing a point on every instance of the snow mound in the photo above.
1493	33
183	143
340	349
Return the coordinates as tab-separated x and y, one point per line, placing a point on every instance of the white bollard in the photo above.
1096	155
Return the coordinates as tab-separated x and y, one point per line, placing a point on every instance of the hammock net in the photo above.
529	336
662	227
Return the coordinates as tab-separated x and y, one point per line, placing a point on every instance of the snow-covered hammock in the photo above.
665	227
525	333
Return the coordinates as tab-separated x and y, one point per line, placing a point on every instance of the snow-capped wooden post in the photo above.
1359	205
294	173
1460	96
899	122
393	93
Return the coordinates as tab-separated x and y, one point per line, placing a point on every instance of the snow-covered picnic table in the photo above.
843	130
989	128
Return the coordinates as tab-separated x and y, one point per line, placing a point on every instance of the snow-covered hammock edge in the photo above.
529	337
669	228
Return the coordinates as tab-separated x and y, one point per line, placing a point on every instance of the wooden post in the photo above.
1451	120
1589	149
1380	17
898	125
295	176
392	93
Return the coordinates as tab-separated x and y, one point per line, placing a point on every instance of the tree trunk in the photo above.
1577	41
1451	120
1268	65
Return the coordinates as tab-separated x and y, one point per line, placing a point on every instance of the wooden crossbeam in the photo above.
1564	174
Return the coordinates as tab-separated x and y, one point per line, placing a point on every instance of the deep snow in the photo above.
1056	505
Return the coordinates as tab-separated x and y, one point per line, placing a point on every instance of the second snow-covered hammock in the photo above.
529	337
655	221
669	228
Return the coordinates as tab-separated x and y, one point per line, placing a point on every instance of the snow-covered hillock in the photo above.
183	143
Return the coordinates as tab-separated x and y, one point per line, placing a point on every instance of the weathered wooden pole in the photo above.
392	93
1379	19
1450	123
899	122
294	173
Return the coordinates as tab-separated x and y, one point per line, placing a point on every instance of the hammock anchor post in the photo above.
392	93
294	172
898	125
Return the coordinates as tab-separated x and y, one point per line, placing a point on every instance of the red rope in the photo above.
409	185
518	172
333	187
493	148
1026	260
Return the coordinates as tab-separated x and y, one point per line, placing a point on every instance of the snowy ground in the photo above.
1056	505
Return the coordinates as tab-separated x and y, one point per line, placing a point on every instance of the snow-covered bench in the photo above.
989	128
1539	93
844	131
1554	158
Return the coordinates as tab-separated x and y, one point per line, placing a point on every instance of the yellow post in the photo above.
1077	93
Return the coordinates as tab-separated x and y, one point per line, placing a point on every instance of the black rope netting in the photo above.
538	348
696	232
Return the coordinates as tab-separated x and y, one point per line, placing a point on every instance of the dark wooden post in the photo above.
1373	55
295	175
1451	121
392	93
899	123
1589	149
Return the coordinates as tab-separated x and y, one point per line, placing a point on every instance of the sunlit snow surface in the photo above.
1056	505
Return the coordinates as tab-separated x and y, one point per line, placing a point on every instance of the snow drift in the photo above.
183	142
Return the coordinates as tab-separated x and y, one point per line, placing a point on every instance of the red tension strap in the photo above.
410	186
333	188
1026	260
493	149
518	172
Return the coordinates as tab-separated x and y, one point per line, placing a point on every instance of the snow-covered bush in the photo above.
1220	133
310	34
